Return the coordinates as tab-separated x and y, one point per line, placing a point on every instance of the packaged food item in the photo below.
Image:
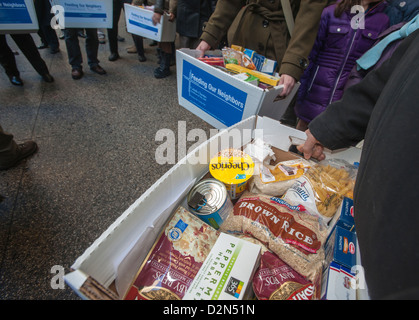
227	272
237	57
263	77
247	77
234	168
322	188
209	201
261	63
213	61
276	180
295	236
174	260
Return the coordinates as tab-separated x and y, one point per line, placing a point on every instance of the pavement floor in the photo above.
97	155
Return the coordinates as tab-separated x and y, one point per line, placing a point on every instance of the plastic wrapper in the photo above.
174	260
296	237
276	180
232	56
275	280
322	188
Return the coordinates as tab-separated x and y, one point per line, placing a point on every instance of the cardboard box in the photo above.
84	13
18	16
138	21
227	271
219	98
115	257
344	216
338	283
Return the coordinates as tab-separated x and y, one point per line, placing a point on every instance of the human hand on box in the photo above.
156	18
171	16
311	148
203	46
288	82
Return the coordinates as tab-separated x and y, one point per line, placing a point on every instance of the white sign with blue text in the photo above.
84	14
18	16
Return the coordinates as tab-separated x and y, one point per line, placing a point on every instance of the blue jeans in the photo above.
73	48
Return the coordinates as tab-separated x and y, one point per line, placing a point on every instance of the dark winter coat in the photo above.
333	56
191	15
383	109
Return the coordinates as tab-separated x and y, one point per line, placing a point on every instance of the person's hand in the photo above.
203	46
171	16
288	82
156	18
312	148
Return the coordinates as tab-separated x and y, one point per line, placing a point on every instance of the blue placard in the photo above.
216	97
14	12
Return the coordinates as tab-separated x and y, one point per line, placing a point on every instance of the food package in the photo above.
276	180
227	271
295	236
322	188
174	260
237	57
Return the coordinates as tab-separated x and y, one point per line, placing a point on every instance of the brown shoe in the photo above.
98	69
24	150
132	49
76	73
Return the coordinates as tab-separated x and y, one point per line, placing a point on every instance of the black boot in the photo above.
164	70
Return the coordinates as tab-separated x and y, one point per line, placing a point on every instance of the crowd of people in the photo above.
355	61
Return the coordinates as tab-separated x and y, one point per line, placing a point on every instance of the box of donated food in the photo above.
18	16
339	283
107	268
83	13
138	21
221	98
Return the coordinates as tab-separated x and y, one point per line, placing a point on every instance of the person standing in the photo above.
27	45
382	111
47	34
74	53
338	45
260	25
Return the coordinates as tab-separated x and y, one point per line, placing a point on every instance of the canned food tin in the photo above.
209	201
234	168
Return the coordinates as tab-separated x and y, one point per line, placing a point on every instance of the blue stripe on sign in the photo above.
84	15
144	26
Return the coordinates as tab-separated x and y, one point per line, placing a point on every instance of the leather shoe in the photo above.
98	69
142	58
47	78
16	80
113	57
54	50
24	150
76	73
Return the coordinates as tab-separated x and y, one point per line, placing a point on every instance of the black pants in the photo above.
46	33
30	51
73	47
113	33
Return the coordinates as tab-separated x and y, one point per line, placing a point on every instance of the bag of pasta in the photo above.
322	188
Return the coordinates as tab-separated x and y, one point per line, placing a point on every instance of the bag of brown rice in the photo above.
295	236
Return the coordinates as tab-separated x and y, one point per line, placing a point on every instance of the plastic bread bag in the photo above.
276	180
322	188
296	237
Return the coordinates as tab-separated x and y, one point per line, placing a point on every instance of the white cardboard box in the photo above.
221	99
115	257
18	16
84	13
138	21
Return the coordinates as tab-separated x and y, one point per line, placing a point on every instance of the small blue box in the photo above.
341	247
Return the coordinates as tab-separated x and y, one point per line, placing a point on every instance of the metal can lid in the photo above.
214	192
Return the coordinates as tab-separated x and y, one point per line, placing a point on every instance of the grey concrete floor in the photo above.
96	156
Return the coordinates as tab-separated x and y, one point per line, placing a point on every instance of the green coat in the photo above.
260	25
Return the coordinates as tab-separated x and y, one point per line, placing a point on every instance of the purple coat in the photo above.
333	56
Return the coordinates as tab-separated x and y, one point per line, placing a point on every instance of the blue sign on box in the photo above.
14	12
216	97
